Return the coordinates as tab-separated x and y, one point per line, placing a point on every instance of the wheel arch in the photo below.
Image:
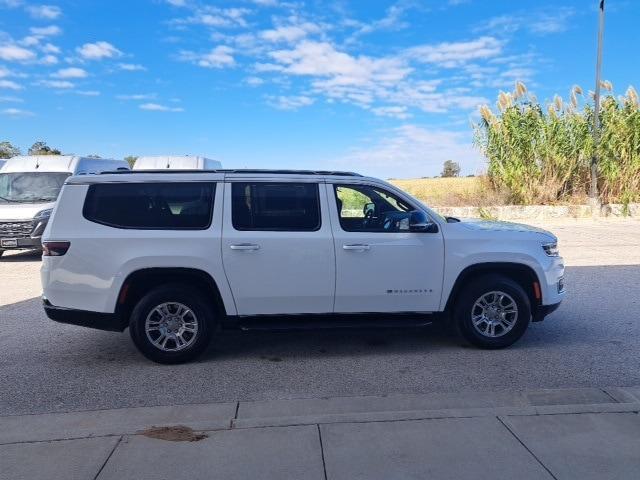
521	273
139	282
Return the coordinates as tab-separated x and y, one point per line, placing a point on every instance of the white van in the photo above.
29	187
176	163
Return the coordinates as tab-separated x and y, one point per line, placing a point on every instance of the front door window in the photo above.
362	208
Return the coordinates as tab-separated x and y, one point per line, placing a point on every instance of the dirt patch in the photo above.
177	433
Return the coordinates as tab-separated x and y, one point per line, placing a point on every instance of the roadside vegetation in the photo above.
541	154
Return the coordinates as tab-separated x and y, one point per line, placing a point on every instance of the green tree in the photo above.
41	148
7	150
131	160
450	169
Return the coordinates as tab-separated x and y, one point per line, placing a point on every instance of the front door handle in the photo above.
245	246
358	247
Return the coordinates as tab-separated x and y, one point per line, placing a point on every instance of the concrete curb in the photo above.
542	212
281	413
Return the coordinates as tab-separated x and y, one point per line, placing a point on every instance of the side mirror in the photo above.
420	222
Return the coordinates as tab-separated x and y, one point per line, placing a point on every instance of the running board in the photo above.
329	322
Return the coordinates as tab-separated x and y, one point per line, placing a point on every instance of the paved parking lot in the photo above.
592	340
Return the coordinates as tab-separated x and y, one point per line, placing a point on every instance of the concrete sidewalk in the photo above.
543	434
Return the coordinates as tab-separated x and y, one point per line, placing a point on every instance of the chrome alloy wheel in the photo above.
494	314
171	327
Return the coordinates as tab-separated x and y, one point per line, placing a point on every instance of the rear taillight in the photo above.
55	249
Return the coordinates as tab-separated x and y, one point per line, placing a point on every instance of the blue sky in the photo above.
383	88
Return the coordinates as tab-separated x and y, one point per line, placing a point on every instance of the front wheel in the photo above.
171	324
492	312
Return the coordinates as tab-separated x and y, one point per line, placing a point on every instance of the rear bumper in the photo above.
101	321
543	310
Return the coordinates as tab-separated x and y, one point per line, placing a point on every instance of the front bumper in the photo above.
543	310
101	321
24	234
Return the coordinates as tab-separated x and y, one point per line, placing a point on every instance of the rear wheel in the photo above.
172	324
493	311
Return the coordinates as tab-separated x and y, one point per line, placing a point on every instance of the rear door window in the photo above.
291	207
154	206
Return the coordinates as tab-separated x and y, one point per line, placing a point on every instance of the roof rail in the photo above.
242	170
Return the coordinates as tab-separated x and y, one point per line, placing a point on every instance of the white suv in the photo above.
177	255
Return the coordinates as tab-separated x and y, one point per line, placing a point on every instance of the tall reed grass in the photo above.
542	154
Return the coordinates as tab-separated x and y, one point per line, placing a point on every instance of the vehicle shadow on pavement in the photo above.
594	313
21	256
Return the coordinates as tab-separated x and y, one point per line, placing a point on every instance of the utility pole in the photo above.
593	191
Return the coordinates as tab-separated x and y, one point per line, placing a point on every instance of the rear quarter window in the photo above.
151	206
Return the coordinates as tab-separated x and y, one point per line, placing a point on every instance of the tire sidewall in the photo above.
475	290
157	296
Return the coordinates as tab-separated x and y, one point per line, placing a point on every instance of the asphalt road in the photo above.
592	340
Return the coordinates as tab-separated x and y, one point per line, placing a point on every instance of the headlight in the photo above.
551	249
43	214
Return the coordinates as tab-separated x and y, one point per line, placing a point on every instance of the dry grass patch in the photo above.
452	192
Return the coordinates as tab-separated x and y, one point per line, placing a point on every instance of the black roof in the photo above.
244	170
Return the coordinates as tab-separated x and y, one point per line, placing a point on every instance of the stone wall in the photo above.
524	212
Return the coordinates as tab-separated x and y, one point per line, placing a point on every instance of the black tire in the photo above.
203	314
1	253
464	305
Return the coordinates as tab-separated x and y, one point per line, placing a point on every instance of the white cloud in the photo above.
366	81
391	21
71	72
10	99
88	93
14	53
254	81
321	59
50	48
216	17
412	151
10	85
11	3
393	111
219	57
555	22
98	51
49	60
156	107
30	41
137	96
57	84
46	12
16	112
177	3
49	31
292	102
131	67
539	23
454	54
289	33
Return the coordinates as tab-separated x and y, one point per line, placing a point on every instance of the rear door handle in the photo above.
245	246
359	247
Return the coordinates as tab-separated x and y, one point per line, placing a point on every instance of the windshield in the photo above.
31	186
